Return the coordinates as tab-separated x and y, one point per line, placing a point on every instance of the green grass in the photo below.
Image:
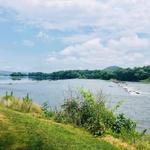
20	131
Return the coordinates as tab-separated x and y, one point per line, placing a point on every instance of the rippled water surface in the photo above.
136	96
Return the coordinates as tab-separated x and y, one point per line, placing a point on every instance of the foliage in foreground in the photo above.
89	111
83	110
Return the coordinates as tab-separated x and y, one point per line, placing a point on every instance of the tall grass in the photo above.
23	105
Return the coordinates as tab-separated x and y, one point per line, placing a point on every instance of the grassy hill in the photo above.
26	132
25	125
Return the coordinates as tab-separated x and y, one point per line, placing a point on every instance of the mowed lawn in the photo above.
19	131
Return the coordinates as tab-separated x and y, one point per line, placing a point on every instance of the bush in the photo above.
97	128
85	111
46	109
123	123
60	117
71	110
88	111
126	129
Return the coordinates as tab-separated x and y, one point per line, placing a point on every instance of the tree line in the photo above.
121	74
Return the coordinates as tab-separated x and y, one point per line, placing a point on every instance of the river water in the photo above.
135	96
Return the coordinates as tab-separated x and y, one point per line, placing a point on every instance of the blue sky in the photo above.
50	35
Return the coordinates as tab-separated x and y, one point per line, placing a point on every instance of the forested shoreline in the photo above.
117	73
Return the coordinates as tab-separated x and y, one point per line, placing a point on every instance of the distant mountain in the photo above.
112	68
5	73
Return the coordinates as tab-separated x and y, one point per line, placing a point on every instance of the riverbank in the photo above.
40	125
41	91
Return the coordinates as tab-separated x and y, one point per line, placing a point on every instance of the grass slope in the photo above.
20	131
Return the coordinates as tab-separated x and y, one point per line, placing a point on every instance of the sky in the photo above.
51	35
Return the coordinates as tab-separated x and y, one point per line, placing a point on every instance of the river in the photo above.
135	96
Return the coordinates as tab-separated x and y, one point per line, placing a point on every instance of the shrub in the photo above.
88	111
60	117
71	110
97	128
123	123
46	109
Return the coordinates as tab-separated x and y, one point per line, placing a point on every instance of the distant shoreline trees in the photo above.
121	74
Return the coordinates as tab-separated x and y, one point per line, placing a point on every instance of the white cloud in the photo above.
93	54
73	14
79	38
130	42
113	24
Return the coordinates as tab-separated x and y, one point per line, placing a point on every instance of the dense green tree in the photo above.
128	74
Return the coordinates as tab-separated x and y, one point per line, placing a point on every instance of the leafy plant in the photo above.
84	110
123	123
27	103
46	109
90	112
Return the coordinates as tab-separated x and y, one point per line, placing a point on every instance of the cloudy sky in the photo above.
49	35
